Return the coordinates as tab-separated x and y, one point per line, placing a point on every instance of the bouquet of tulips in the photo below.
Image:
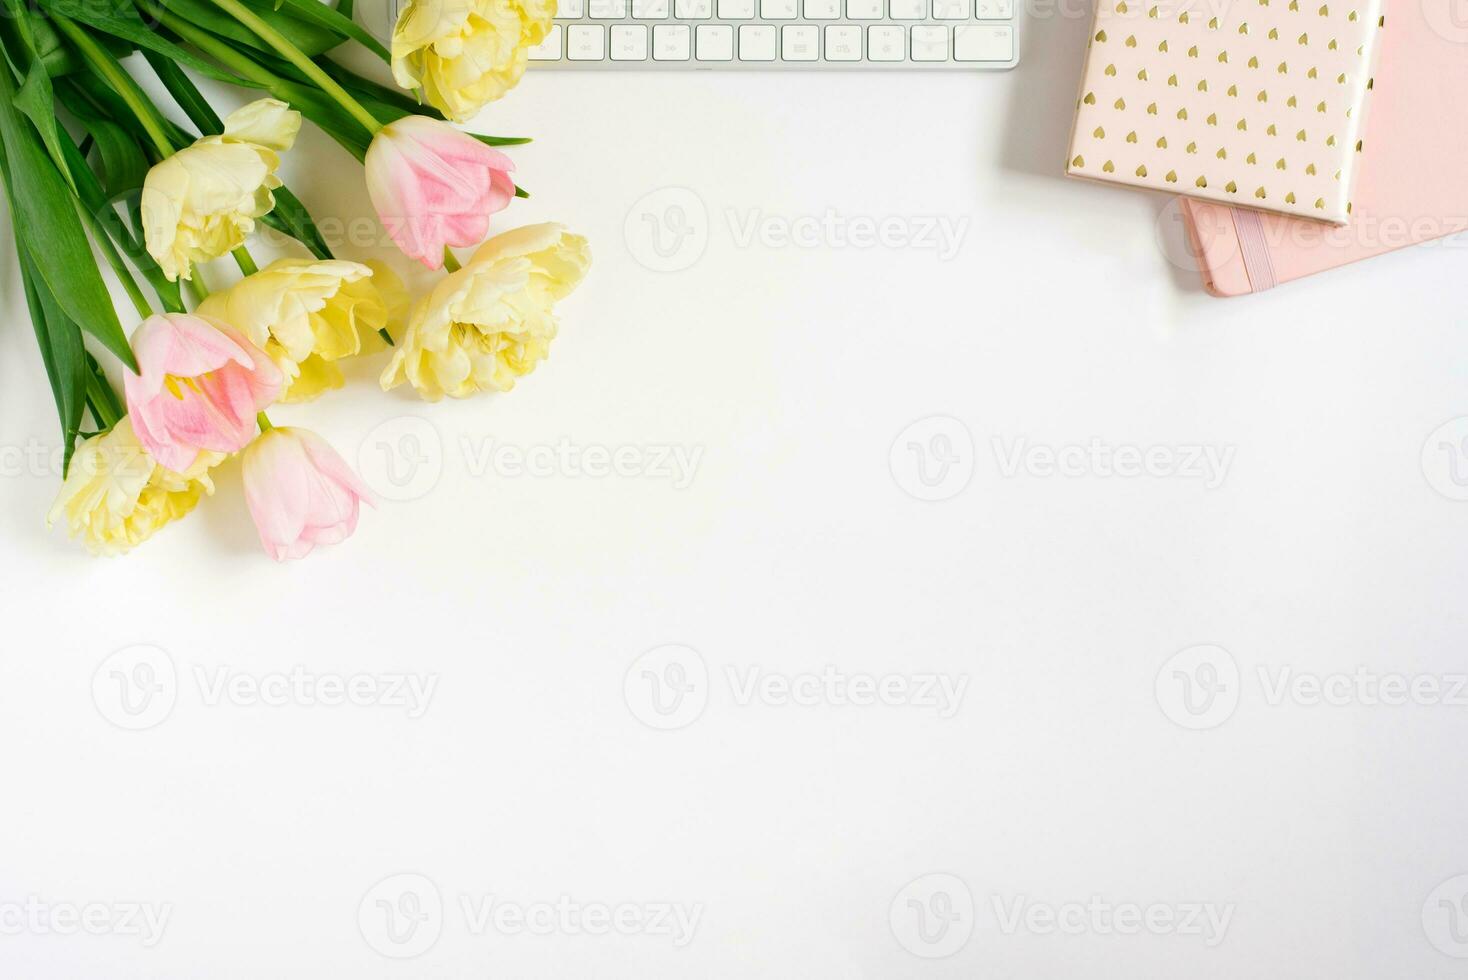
88	160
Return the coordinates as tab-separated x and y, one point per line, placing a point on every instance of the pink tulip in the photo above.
199	388
300	492
434	186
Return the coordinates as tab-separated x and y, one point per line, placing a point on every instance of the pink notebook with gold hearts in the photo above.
1413	183
1257	103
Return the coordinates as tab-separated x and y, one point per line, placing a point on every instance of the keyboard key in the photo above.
758	42
736	9
887	43
779	9
714	42
629	42
994	10
586	42
570	9
863	9
650	9
929	43
822	9
550	48
843	42
671	42
694	9
951	9
800	43
909	9
608	9
983	42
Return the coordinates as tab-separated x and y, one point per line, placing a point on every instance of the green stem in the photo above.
264	421
297	57
102	399
109	252
450	262
120	81
196	289
212	46
245	261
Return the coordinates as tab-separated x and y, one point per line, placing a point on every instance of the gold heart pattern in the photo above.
1163	73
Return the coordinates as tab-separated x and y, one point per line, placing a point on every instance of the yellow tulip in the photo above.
466	53
492	321
308	314
203	201
116	496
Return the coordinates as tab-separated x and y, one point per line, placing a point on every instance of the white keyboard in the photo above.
784	34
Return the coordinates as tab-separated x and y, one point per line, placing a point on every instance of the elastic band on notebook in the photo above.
1249	228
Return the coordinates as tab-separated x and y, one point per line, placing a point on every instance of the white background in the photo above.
795	372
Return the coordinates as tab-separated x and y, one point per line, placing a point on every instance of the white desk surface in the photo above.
803	837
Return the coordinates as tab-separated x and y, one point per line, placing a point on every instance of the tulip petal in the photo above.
434	186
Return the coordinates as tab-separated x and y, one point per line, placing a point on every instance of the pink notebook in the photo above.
1413	180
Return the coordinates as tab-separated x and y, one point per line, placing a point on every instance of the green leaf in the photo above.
290	217
48	227
124	167
186	94
35	98
309	38
105	212
43	340
132	28
106	407
69	358
62	353
343	26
